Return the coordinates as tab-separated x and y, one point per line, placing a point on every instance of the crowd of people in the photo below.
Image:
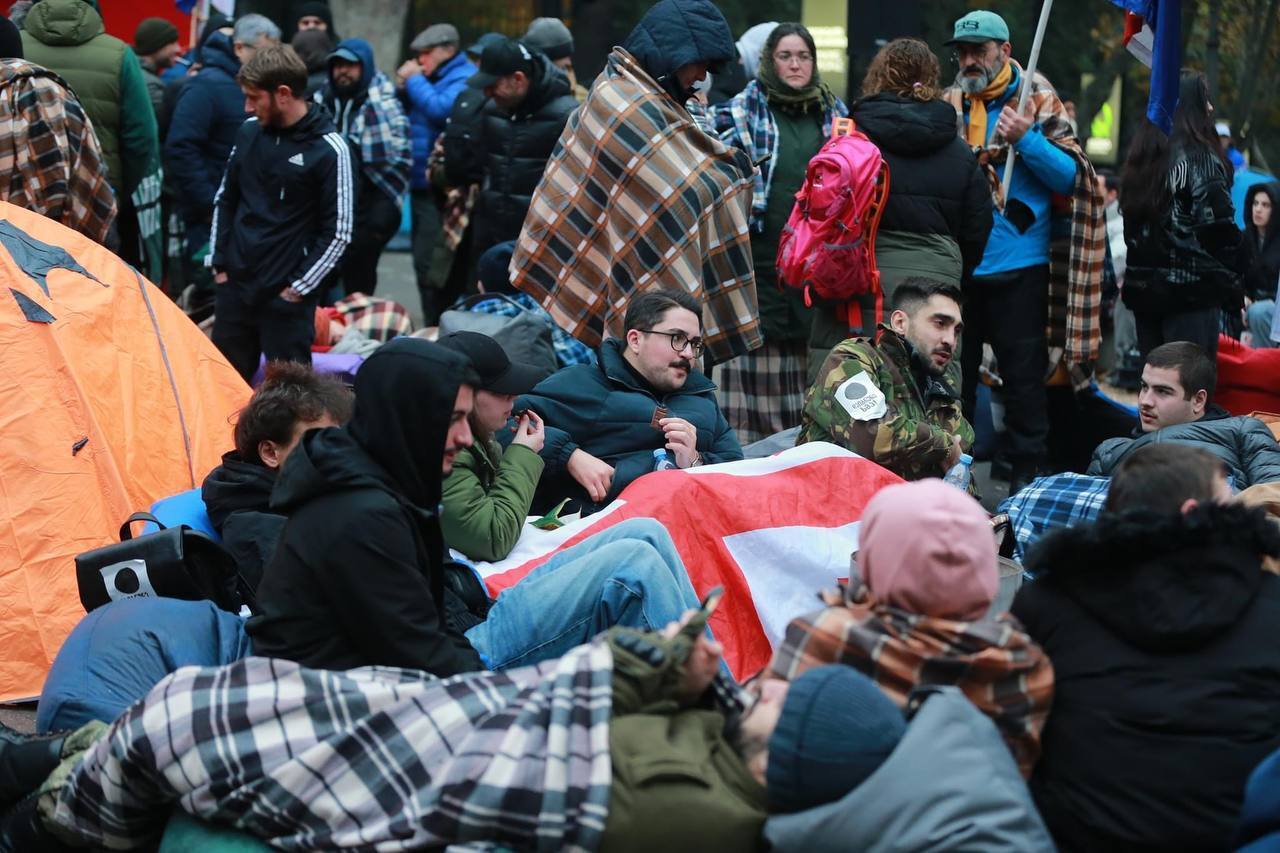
372	693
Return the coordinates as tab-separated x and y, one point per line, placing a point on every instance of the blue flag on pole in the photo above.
185	6
1164	24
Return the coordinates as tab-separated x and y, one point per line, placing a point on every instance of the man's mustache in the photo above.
682	363
977	68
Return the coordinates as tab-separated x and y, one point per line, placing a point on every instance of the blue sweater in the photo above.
428	101
1040	170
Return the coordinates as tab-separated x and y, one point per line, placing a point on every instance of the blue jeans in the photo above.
1259	318
629	574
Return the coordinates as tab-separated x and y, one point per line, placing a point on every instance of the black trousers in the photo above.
1009	311
377	221
244	331
1200	327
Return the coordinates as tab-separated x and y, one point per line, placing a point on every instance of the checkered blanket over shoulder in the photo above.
1060	500
374	758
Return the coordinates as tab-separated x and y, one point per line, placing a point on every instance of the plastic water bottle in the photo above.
662	461
960	473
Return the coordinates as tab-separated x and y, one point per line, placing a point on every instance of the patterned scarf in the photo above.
998	667
1078	248
977	131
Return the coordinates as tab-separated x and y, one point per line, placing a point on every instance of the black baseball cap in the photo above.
501	58
498	374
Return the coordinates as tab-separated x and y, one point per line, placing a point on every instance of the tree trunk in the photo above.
1244	108
1211	48
380	22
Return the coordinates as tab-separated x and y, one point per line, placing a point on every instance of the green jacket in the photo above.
868	399
487	498
678	785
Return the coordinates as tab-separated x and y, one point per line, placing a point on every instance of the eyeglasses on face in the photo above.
679	340
786	57
965	52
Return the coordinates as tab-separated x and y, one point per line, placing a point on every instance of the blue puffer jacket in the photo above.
607	410
428	101
205	120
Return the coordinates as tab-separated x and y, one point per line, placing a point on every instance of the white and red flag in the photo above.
774	532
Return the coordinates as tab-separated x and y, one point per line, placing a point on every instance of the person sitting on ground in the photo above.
1258	260
1175	406
917	613
604	421
894	398
358	578
488	494
1161	626
630	743
291	400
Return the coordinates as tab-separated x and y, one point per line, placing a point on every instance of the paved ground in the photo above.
20	717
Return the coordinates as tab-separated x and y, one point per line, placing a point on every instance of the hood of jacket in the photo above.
63	22
615	366
1266	255
903	126
395	440
219	52
368	67
1161	582
675	33
550	82
236	486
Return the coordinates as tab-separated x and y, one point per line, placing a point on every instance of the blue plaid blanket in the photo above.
1059	500
569	350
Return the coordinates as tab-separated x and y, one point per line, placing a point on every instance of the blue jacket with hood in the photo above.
428	101
203	129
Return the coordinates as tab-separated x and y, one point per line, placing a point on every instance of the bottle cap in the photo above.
966	459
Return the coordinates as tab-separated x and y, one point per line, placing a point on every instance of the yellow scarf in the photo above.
976	133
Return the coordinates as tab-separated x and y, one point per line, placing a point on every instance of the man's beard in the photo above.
346	90
974	85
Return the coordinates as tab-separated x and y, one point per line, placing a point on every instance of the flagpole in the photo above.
1026	91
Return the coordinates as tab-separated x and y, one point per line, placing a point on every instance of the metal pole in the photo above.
1026	89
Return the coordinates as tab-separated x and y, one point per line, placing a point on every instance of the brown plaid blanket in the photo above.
1078	245
637	196
49	153
994	663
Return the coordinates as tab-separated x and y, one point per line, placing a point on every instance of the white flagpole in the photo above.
1026	89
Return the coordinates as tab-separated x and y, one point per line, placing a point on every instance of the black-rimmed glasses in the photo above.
679	340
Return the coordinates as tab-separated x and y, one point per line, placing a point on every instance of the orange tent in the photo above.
110	399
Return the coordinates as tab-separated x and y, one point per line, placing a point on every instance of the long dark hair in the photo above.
789	28
1144	181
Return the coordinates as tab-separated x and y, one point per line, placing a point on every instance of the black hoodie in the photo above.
1259	262
357	578
935	185
1163	632
236	495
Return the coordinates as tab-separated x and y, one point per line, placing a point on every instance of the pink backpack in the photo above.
828	247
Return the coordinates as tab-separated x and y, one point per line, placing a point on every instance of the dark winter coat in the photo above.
1259	262
202	129
516	149
1187	261
428	101
606	409
935	185
464	159
1244	444
237	495
1163	632
284	211
357	577
675	33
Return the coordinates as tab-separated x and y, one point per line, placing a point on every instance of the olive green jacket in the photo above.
487	498
868	399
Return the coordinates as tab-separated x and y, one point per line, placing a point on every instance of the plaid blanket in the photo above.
378	132
997	666
52	162
1060	500
1077	248
568	349
378	318
745	121
635	197
381	758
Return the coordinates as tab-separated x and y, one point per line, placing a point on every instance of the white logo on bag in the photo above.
861	398
296	159
128	579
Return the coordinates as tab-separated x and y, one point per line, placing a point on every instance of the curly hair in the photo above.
289	395
904	67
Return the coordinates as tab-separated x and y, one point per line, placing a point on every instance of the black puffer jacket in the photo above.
1244	444
1259	262
237	496
935	185
1188	261
1163	632
516	149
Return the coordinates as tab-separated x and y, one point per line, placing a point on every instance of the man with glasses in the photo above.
1007	296
604	421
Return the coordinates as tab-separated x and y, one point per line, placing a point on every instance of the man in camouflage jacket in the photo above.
893	398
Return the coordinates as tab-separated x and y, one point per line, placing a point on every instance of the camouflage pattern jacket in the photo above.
867	399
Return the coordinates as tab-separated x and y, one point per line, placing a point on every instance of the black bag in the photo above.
174	562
